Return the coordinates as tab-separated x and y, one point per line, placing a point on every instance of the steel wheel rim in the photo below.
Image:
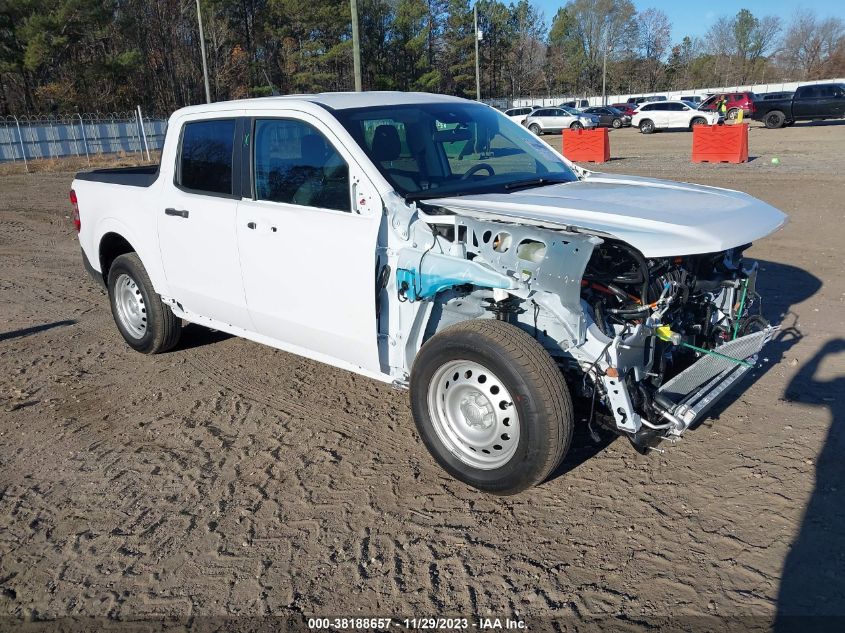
130	306
473	414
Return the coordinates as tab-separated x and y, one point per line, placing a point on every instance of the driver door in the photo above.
307	239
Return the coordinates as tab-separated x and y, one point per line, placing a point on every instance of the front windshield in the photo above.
444	149
573	111
690	104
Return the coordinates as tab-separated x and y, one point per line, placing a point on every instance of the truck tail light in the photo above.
752	108
77	223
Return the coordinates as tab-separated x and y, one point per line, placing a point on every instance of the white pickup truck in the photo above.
431	242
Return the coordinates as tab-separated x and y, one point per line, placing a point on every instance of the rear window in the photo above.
205	160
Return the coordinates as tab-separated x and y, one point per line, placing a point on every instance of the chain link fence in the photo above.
34	137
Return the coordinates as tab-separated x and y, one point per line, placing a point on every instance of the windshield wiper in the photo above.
519	184
534	182
428	194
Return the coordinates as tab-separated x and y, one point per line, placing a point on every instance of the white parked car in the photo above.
554	120
664	115
518	114
432	243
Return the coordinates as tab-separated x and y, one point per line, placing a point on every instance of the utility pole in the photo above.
202	49
477	39
356	45
604	68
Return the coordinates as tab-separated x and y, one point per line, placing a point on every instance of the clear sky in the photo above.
691	17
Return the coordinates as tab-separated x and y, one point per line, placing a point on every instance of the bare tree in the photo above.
653	36
810	45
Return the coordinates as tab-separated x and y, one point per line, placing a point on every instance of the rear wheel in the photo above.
647	126
774	119
143	320
617	123
491	406
733	113
576	126
536	129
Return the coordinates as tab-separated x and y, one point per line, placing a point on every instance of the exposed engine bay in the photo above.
694	304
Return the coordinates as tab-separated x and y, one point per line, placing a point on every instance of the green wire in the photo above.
712	353
741	306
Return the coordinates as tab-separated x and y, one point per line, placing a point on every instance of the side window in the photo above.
294	163
205	160
647	108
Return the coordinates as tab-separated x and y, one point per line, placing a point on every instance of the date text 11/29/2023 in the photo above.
416	623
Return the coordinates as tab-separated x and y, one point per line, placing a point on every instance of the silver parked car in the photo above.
545	120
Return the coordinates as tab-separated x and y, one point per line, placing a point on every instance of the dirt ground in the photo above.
226	479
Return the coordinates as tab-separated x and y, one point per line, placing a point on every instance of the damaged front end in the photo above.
654	342
678	332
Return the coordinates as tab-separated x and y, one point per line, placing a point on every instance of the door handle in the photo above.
178	212
251	225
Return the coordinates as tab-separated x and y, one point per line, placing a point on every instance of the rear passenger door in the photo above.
806	102
307	234
196	222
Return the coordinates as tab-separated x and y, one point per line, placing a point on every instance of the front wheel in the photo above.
491	406
697	121
647	126
617	123
143	320
732	115
576	126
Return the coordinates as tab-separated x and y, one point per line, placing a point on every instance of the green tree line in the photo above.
64	55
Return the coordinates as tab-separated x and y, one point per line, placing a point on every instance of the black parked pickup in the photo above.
809	103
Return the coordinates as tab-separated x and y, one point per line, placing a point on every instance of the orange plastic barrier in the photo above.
720	143
587	146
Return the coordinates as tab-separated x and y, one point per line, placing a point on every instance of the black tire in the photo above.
732	114
616	123
540	398
647	126
536	129
163	328
576	126
774	119
697	121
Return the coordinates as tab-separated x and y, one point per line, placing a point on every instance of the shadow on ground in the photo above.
35	329
812	588
197	336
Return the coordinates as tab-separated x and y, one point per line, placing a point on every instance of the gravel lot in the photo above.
229	479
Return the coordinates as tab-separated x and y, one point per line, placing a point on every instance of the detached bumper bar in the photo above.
688	396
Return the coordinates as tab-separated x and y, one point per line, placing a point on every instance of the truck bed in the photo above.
129	176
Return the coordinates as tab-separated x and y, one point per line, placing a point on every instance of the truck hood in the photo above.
660	218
